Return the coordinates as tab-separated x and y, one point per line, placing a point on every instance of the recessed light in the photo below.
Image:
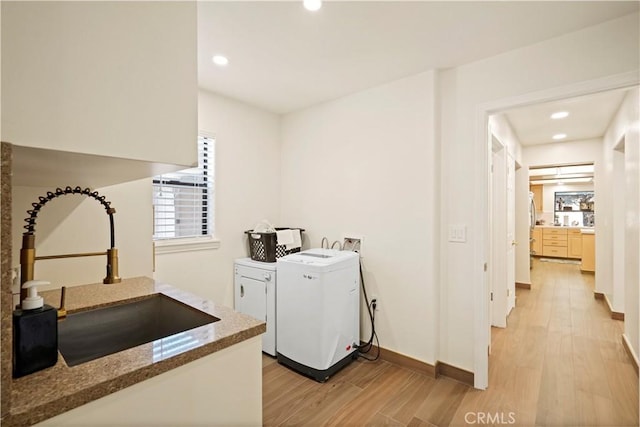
559	136
220	60
560	115
312	5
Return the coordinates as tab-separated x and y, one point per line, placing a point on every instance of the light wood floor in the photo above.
560	361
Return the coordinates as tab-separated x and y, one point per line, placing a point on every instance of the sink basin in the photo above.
92	334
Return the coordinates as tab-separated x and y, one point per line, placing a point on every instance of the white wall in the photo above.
583	151
499	126
596	52
119	74
73	223
609	277
366	164
247	179
605	223
617	198
632	222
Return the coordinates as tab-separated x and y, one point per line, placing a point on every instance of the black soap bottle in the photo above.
35	333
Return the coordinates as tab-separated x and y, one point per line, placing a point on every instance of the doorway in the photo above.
482	340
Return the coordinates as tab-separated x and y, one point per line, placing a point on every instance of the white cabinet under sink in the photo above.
255	295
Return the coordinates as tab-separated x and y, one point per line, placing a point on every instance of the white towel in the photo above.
263	226
297	240
284	237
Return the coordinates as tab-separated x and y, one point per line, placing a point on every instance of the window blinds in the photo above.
183	201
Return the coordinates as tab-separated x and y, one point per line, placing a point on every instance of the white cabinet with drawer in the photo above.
255	295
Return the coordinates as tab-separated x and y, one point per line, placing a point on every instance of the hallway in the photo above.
559	362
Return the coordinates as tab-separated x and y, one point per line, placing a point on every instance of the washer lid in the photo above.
319	257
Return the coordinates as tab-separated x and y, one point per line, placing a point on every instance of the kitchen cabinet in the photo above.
588	252
574	244
537	196
83	77
554	242
562	242
536	242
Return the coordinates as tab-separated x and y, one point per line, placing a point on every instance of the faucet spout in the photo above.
28	251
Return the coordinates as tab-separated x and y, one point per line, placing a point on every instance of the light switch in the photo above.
458	233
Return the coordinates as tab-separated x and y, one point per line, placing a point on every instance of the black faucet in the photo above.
28	252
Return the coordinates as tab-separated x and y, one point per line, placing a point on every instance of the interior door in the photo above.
511	233
253	298
498	274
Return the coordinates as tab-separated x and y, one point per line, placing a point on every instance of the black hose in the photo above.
112	231
365	348
43	200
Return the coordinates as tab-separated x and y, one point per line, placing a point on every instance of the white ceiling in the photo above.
283	58
589	117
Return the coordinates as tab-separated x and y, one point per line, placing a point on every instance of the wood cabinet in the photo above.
554	242
574	244
564	243
537	196
536	242
588	253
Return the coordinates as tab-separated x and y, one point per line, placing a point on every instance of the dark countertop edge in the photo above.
56	407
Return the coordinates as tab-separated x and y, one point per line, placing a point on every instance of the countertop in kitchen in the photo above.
55	390
564	227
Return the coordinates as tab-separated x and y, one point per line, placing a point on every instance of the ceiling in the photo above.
589	117
283	58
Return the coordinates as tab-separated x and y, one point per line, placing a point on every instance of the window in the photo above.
183	201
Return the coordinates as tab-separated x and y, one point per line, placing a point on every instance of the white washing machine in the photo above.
255	295
318	304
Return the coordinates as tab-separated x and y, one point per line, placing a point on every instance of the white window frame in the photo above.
193	243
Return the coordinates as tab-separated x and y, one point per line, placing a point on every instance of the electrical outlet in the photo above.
354	244
375	299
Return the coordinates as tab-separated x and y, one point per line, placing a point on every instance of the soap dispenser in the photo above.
35	333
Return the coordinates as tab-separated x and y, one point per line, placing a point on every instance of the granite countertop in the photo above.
61	388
